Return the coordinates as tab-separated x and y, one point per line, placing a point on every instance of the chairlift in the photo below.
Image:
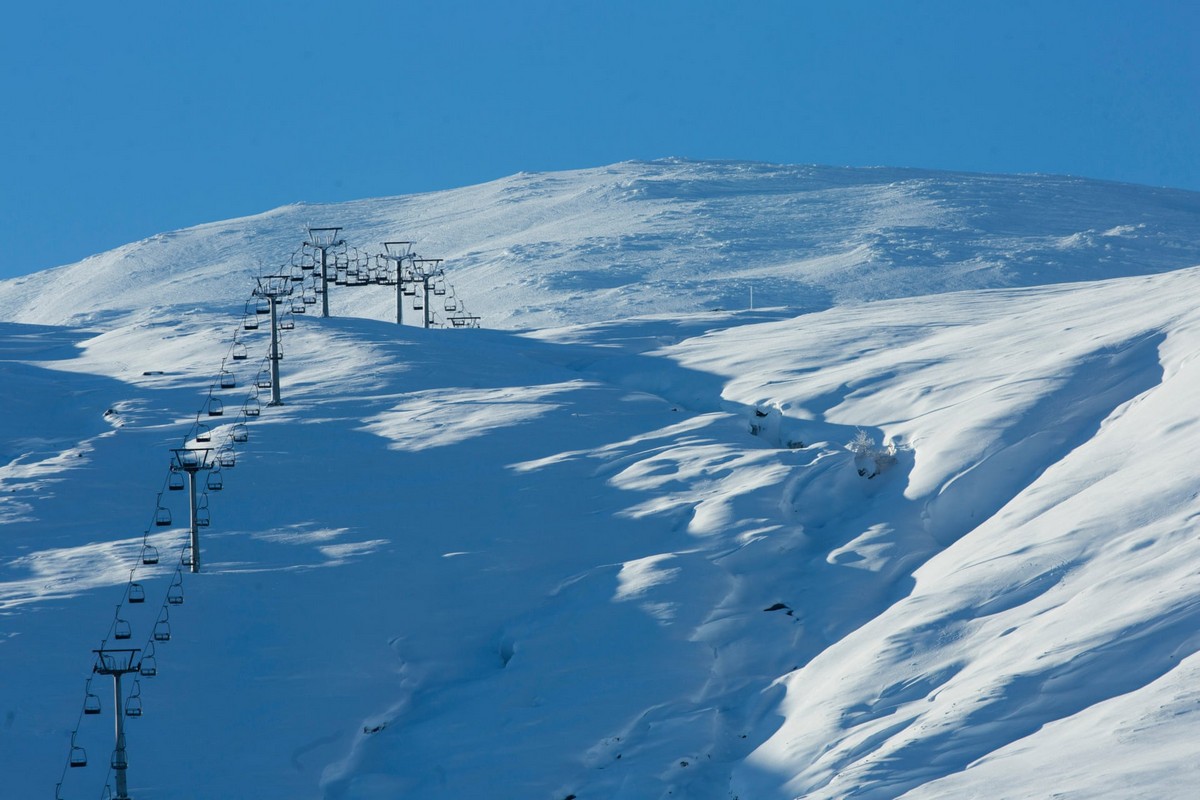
203	518
418	303
239	434
310	299
119	760
175	594
137	593
227	459
251	408
91	703
121	629
203	433
439	289
148	667
298	307
297	274
162	628
450	305
162	517
287	325
149	555
250	322
133	704
175	482
215	407
215	482
263	381
78	754
239	352
410	289
263	306
228	381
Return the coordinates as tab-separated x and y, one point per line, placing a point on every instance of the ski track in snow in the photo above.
634	558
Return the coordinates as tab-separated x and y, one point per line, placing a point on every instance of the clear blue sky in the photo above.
125	119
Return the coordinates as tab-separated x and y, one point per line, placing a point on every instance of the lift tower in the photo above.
192	460
398	252
323	239
117	663
272	288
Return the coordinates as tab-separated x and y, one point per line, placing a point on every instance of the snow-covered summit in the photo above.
668	236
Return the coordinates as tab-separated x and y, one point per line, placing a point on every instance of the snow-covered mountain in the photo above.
921	527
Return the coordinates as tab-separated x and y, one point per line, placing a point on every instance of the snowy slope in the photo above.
635	558
670	236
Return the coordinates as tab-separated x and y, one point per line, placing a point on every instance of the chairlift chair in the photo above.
239	434
263	306
239	352
287	325
149	555
215	407
149	665
228	381
175	482
250	322
133	705
162	517
121	629
175	594
137	593
91	703
298	307
251	408
263	381
215	482
78	754
418	304
227	459
119	759
203	433
162	628
439	289
310	299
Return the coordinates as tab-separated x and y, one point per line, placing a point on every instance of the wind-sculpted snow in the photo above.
939	545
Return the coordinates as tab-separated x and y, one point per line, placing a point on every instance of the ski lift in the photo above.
250	322
439	289
410	289
297	274
175	481
149	555
91	703
133	704
264	380
239	434
263	306
78	754
450	305
149	665
215	482
175	594
298	307
227	458
137	593
228	381
418	303
252	408
310	299
287	325
239	352
162	628
162	516
121	629
203	433
119	761
215	407
203	518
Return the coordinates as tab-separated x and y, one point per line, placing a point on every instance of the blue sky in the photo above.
123	120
